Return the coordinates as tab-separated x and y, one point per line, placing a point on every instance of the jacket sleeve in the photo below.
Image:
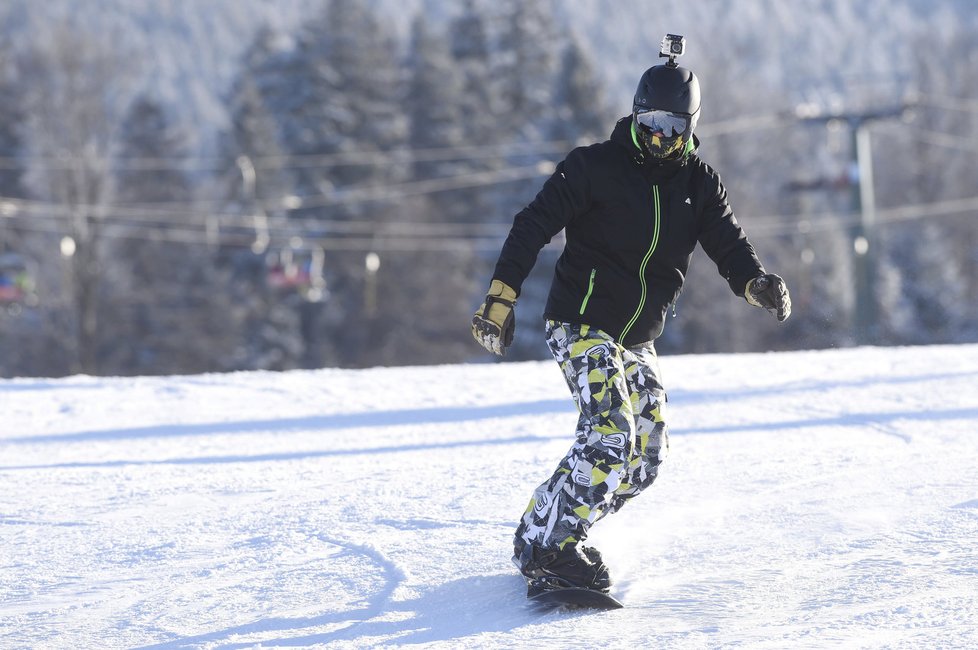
723	239
565	195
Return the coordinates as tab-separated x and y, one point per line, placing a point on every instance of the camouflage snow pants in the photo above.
621	436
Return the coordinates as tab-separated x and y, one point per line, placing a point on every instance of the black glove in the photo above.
494	325
770	292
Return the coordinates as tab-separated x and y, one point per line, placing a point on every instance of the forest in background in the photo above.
351	206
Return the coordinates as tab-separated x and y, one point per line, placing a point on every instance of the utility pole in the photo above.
863	231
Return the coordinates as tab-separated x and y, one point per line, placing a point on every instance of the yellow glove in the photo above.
493	325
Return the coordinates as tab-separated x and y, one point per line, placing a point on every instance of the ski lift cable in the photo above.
742	124
399	156
306	232
340	196
420	241
186	212
427	186
310	240
333	227
407	156
20	210
963	104
938	139
771	226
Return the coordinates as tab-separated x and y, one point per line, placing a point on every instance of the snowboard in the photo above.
574	598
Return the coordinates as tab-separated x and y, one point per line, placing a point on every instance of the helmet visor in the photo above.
667	123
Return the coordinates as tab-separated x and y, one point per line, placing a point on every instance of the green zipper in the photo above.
645	263
590	288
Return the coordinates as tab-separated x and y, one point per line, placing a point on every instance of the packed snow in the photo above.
811	499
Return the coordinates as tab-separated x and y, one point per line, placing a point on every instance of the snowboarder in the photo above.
633	209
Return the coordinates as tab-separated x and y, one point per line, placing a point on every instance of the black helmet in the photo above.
665	110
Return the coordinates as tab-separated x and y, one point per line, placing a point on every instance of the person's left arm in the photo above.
727	245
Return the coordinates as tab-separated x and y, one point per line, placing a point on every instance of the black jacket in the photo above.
631	227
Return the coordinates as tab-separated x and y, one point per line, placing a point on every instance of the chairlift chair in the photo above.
16	284
298	270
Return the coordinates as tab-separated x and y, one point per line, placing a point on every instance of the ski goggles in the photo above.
667	123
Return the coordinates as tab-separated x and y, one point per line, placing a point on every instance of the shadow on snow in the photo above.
368	419
461	608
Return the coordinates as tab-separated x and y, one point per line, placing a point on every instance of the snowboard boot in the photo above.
552	568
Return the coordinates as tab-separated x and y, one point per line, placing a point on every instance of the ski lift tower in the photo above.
863	231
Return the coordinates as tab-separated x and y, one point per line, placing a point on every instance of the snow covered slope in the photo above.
813	499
